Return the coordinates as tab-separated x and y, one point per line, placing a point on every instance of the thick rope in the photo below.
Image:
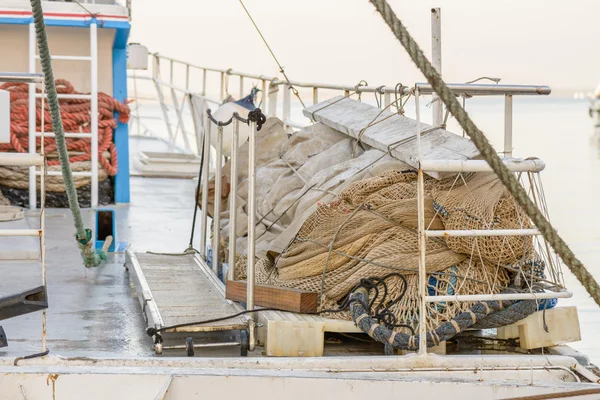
487	151
76	117
509	313
83	235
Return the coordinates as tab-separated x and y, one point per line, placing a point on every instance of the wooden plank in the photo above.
276	297
398	132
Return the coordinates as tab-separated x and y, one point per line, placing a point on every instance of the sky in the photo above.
551	42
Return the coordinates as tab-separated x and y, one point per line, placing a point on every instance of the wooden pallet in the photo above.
563	327
287	334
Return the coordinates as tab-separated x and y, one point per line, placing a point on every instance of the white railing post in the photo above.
241	87
264	95
422	238
161	98
94	109
273	89
233	202
205	177
222	93
287	104
508	125
250	272
436	51
32	117
217	201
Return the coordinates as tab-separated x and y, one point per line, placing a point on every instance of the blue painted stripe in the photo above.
67	22
121	136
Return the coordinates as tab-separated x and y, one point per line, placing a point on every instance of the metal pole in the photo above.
436	51
265	94
137	107
217	200
32	122
187	77
94	110
241	87
422	239
251	226
287	104
273	89
315	95
203	82
205	177
499	297
43	219
233	204
161	98
222	94
508	125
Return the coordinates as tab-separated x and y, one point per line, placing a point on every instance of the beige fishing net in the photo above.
327	218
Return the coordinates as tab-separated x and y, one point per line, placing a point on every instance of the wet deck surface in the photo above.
94	311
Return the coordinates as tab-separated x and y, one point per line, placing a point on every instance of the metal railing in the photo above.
93	97
201	89
33	159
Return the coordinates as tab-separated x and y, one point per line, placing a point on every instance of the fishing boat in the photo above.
259	245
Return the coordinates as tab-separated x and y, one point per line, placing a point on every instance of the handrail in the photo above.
471	89
478	89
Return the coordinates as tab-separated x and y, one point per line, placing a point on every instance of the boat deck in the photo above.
94	312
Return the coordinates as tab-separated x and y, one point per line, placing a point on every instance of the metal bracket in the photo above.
23	303
3	339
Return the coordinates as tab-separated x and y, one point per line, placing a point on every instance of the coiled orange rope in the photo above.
76	118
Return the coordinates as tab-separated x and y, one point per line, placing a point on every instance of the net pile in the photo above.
328	217
370	230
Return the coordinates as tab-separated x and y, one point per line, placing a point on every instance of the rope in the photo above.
294	90
83	236
191	245
487	151
559	395
362	315
76	117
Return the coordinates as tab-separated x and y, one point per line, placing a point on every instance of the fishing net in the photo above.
328	218
370	230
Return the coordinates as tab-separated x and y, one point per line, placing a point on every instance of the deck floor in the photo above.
94	312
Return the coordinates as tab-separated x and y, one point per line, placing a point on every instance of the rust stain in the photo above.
52	379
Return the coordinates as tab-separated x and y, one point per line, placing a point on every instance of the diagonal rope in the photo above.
293	89
83	235
486	150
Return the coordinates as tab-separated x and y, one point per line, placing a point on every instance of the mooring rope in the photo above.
84	236
487	151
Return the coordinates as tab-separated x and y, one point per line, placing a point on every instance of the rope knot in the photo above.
257	116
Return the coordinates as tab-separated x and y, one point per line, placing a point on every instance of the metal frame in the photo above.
32	160
93	97
508	91
419	89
